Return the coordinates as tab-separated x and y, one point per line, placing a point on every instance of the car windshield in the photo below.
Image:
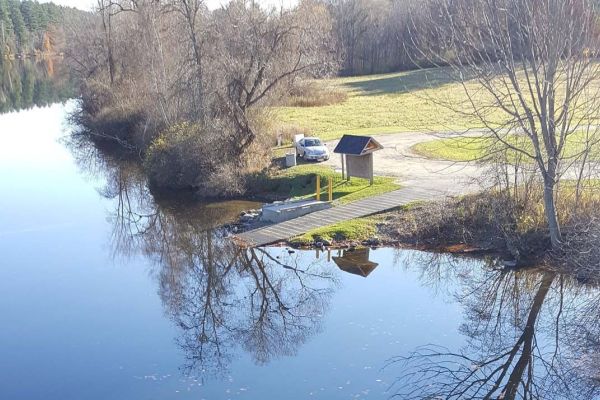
312	142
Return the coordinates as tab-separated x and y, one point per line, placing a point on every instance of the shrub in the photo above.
188	157
180	156
486	220
287	133
112	117
315	94
225	181
494	220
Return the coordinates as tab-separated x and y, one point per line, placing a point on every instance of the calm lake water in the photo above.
107	294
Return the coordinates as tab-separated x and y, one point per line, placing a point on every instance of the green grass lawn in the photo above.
397	102
358	229
477	148
300	182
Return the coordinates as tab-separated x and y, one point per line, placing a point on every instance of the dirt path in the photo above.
396	159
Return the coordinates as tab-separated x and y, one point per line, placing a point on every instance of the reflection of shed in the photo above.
357	156
356	262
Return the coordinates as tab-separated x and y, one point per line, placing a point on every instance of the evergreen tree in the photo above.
6	28
25	25
30	16
18	22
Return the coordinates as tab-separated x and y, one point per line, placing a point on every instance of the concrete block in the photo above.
284	211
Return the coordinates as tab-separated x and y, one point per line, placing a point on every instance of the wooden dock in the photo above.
361	208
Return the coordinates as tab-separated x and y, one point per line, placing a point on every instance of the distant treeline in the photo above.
373	36
28	27
378	36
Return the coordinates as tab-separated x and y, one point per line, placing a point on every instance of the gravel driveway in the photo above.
396	159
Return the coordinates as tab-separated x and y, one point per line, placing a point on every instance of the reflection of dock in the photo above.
356	262
298	226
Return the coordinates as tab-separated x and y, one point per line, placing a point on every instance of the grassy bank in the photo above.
397	102
359	230
300	182
355	230
407	101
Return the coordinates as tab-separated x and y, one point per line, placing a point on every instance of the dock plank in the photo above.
361	208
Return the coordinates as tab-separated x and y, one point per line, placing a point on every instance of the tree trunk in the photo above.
200	76
550	211
107	26
190	12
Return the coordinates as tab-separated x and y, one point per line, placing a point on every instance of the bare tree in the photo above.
105	9
193	12
259	50
528	69
177	72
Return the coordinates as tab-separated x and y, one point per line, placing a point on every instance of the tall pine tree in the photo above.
26	25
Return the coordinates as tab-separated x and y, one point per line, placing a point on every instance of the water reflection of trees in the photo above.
222	298
529	335
25	84
248	299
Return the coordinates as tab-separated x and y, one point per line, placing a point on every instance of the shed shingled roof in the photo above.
354	145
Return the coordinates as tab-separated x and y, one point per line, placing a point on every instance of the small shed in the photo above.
357	156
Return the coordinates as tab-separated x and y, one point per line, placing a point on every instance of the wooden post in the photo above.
347	168
318	188
371	168
343	167
330	188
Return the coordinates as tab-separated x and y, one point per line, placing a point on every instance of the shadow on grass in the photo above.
344	188
404	82
281	187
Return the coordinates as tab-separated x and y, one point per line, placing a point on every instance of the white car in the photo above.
311	149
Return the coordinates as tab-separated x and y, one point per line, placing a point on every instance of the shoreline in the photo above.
408	227
380	239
